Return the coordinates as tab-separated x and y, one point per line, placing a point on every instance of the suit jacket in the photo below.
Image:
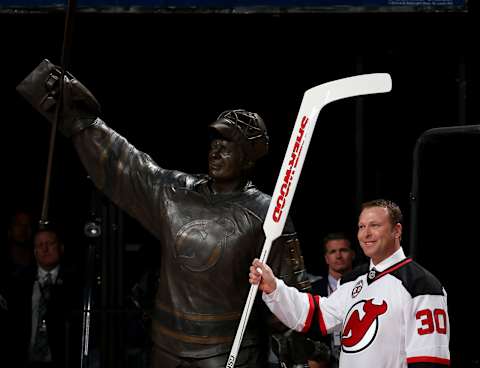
320	286
63	317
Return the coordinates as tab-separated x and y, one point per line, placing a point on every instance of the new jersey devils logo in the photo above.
200	243
361	325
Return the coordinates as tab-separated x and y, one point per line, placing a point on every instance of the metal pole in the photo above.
425	137
92	231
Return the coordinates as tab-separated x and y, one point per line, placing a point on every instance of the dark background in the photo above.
161	78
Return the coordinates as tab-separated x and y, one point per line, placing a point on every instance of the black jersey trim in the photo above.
417	280
355	273
390	269
315	325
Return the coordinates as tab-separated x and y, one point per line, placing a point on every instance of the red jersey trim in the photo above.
311	309
428	359
321	322
393	268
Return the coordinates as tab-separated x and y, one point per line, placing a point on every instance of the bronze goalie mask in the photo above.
246	128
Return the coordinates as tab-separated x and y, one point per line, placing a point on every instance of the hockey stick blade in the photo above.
313	101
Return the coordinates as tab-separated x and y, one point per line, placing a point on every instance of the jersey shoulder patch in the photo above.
417	280
355	273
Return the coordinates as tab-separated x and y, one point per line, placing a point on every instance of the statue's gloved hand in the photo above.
41	88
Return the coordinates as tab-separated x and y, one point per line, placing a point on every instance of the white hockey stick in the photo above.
313	101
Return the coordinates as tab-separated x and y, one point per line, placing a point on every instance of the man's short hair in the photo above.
393	209
335	236
50	227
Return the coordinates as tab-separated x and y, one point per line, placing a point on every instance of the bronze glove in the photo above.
80	108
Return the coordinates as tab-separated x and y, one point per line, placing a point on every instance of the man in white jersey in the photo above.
392	311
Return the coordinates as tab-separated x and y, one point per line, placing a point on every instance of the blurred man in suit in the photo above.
339	256
43	298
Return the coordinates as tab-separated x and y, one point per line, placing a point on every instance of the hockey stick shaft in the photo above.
313	101
65	60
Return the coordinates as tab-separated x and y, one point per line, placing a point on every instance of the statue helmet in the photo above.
245	127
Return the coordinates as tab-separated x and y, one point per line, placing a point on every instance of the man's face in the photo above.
378	238
48	250
338	255
225	160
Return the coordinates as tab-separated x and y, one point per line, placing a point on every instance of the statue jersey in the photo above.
207	242
392	316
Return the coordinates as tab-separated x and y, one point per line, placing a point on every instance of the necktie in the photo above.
41	349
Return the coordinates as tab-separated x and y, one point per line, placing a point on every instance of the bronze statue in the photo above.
209	226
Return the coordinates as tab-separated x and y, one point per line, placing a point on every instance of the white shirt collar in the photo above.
390	261
42	274
333	282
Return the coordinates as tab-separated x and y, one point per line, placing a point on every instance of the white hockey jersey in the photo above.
392	316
